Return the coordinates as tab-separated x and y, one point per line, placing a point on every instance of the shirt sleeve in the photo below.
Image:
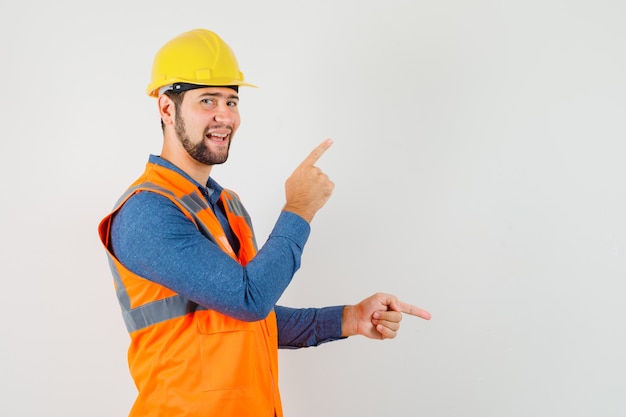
152	237
306	327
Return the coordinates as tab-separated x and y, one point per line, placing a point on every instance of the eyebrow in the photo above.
220	95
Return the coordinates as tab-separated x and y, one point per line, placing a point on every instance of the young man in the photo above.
198	299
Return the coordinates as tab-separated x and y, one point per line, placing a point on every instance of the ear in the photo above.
167	109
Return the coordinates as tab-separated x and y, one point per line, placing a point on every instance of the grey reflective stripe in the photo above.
191	202
128	192
194	202
120	290
151	313
156	312
236	207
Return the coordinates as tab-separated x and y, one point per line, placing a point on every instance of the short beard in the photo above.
198	151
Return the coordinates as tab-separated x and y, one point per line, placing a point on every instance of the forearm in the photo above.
305	327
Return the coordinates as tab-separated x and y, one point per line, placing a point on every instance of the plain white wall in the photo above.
479	169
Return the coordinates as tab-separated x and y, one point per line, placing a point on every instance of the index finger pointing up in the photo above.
317	152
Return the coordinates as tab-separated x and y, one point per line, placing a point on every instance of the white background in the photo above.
479	169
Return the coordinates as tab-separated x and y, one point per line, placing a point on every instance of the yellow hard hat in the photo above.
198	57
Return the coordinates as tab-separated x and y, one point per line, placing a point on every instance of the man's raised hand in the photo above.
308	188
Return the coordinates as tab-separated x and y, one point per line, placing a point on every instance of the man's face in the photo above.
206	122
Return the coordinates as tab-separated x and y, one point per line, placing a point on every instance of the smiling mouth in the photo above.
218	137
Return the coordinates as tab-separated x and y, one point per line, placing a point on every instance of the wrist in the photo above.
305	214
348	321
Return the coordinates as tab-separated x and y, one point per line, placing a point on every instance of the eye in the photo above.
208	101
233	103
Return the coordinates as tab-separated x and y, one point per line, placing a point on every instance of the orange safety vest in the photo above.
187	360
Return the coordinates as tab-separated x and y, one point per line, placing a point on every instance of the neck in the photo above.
174	152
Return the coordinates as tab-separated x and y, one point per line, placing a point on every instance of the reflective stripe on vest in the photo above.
152	313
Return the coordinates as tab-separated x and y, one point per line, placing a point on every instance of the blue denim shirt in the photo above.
154	239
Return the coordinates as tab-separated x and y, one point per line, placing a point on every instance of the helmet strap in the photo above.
181	87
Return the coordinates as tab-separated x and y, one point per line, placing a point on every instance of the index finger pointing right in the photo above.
317	152
413	310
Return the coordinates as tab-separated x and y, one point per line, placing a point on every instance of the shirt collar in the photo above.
212	188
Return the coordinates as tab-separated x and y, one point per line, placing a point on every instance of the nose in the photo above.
224	114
